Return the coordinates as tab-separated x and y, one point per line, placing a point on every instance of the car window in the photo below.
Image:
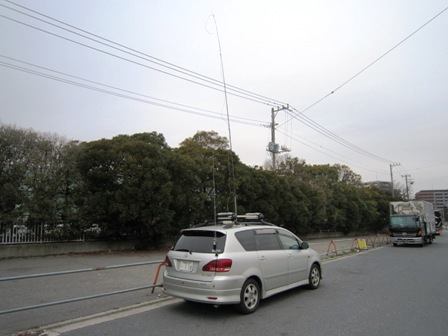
200	241
288	241
247	239
267	240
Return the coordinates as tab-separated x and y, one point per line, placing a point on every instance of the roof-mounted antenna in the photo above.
231	168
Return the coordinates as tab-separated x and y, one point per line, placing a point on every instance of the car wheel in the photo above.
249	297
314	277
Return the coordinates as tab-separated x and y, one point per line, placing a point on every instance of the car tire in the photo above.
250	297
314	277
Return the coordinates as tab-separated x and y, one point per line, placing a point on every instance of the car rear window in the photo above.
201	241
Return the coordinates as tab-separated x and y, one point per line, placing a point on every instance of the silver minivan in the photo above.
239	262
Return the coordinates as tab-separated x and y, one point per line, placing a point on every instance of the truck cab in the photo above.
411	223
407	229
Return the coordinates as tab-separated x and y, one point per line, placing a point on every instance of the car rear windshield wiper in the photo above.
184	250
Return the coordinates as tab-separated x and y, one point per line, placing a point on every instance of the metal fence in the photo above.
38	233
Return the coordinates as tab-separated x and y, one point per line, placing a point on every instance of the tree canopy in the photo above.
137	186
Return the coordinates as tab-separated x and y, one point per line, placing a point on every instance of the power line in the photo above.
177	107
329	155
308	121
125	94
375	61
241	93
236	91
327	133
123	58
320	129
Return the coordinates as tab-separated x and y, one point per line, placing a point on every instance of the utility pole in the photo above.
392	178
407	188
273	147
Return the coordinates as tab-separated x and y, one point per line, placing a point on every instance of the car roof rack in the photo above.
230	219
250	218
225	216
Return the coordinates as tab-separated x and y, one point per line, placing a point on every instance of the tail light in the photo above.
167	262
218	265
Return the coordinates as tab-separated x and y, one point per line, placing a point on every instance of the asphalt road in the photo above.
389	291
29	292
357	292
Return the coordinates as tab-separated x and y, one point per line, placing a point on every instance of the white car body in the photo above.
272	256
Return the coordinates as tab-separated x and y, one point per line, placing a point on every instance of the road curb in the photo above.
56	329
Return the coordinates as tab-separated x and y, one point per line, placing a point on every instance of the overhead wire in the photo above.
241	93
375	61
300	116
307	122
295	138
126	59
327	133
127	94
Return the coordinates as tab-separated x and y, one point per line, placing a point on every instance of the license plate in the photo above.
186	266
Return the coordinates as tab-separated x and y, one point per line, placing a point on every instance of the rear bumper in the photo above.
218	291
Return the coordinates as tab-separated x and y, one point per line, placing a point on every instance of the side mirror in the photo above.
304	246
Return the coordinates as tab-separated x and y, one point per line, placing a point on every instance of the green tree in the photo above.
188	200
214	165
37	177
16	147
135	185
45	180
347	176
127	187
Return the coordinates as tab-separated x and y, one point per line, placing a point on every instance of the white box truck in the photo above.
412	222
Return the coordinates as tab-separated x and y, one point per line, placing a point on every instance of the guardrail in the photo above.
337	247
31	276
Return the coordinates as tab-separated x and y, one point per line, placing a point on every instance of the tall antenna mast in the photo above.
231	168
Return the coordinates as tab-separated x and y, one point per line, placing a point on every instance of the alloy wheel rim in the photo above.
315	276
251	296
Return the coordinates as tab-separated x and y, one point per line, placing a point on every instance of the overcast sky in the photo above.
370	74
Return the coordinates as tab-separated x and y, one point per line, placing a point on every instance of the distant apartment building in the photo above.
439	198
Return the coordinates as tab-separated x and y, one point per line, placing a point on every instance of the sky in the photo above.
363	82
